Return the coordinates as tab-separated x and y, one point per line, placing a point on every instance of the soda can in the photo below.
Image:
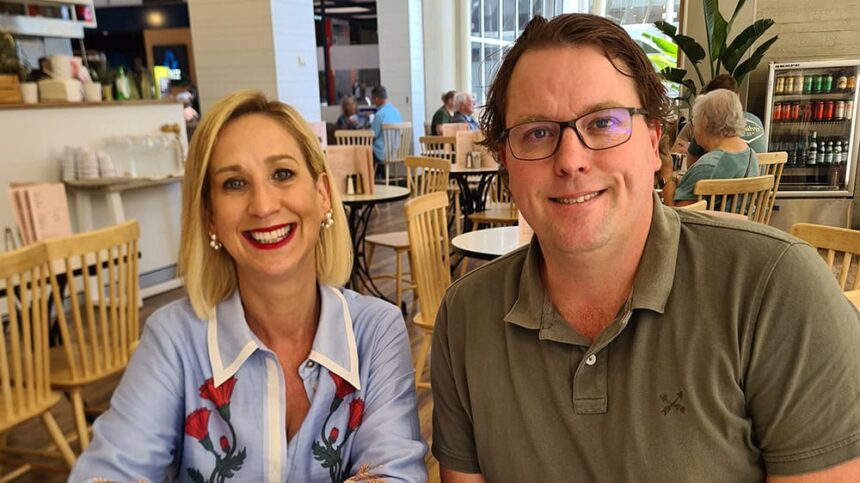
807	83
819	111
780	85
851	82
777	111
816	84
795	111
798	84
849	109
828	111
827	84
839	111
788	88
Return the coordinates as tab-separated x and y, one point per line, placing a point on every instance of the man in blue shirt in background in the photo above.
386	113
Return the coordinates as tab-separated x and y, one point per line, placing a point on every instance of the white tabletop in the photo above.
381	192
488	244
456	169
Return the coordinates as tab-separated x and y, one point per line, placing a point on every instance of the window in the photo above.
495	24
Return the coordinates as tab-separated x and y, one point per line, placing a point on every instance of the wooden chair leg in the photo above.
80	419
59	439
398	274
421	359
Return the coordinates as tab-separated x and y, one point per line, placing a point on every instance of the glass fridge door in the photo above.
811	118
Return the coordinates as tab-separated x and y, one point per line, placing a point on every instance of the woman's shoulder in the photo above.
175	318
371	317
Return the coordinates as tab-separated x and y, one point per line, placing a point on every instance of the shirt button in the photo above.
591	360
309	364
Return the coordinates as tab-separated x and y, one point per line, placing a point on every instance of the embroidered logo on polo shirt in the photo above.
669	405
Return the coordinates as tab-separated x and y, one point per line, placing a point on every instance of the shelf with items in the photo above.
47	18
815	96
835	122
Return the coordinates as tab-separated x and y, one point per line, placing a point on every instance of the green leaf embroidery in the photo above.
195	475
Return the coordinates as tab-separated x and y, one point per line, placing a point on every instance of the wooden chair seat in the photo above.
37	409
394	239
62	377
854	297
505	214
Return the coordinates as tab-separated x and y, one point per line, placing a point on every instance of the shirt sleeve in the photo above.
389	438
453	434
802	382
137	437
376	125
699	171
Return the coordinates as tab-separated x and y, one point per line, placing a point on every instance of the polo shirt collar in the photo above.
232	342
651	287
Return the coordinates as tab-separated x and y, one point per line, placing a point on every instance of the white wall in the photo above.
401	58
268	45
442	60
34	138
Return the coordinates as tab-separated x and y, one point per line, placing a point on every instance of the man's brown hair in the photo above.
575	30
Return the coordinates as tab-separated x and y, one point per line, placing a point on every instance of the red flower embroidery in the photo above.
219	395
342	388
356	411
197	424
225	445
332	436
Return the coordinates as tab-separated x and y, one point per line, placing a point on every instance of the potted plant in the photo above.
12	71
721	55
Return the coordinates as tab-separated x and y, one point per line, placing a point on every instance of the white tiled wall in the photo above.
401	58
267	45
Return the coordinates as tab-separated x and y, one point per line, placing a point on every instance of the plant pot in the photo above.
10	89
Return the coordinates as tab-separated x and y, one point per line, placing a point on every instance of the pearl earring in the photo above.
329	220
213	242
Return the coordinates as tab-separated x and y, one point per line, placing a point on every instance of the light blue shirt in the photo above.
386	114
716	164
202	398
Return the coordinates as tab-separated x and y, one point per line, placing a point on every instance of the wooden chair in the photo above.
700	205
25	386
431	265
103	325
745	196
443	147
854	297
771	164
499	210
348	137
397	140
424	175
450	129
833	241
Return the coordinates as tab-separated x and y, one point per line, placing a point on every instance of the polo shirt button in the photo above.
591	360
310	364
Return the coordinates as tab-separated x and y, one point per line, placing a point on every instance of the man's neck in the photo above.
589	288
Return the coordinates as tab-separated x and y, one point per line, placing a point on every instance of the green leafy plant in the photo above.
9	62
721	55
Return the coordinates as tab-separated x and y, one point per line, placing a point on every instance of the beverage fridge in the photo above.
811	113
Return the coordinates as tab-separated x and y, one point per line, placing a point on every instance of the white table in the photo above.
488	244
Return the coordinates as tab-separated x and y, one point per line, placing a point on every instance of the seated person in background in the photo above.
386	113
349	118
464	107
43	72
753	131
718	122
268	352
444	114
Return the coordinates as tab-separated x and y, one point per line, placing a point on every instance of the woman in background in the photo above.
444	114
349	118
268	370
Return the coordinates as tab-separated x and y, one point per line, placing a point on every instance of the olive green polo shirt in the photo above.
735	356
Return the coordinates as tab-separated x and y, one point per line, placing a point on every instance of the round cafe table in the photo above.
488	244
359	209
473	198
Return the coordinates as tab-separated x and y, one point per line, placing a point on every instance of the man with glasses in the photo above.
630	341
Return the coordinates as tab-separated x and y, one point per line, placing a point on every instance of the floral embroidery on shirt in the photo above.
197	426
329	453
364	474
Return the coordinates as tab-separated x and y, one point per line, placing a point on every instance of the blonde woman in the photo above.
268	371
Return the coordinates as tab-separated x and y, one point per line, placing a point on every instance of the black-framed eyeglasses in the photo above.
598	130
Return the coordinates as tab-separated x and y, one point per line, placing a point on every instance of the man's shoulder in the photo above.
741	235
490	283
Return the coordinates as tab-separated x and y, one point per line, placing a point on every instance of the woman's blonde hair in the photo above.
210	275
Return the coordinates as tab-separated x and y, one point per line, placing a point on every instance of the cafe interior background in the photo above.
156	59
